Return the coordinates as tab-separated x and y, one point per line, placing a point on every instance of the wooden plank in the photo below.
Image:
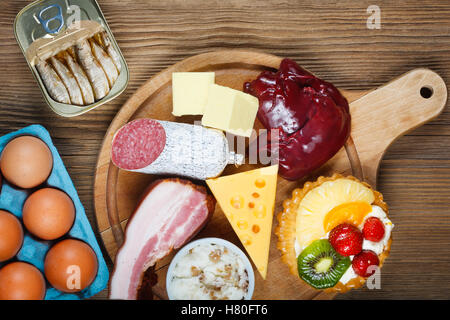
329	38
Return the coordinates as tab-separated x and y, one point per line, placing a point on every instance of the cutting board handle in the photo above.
386	113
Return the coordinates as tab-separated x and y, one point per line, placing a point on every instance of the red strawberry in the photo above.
362	261
346	239
373	229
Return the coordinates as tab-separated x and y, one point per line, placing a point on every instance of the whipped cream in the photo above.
348	275
378	247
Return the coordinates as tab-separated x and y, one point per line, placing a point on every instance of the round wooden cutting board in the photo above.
378	118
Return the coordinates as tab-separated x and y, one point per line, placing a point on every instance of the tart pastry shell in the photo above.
286	232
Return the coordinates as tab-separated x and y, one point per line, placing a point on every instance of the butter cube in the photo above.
190	92
230	110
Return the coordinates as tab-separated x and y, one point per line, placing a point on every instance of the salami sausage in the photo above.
163	147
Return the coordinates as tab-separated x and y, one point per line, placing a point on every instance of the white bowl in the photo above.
225	243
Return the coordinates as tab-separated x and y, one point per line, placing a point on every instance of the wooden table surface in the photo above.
331	39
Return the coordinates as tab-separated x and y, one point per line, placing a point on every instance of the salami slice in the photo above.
138	144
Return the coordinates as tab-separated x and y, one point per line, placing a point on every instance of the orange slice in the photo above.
350	212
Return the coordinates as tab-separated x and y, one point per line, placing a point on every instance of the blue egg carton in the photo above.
34	250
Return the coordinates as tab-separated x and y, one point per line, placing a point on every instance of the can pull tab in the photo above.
46	22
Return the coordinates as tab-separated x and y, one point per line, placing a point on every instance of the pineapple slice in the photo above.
314	208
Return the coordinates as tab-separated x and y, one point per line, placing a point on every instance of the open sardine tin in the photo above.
72	54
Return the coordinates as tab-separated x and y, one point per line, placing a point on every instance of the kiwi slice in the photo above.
320	265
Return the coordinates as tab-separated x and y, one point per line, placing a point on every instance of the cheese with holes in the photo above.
230	110
248	200
190	92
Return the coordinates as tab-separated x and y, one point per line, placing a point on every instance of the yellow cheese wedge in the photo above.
248	200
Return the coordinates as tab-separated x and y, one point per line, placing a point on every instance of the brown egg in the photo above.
70	265
21	281
26	162
48	213
11	235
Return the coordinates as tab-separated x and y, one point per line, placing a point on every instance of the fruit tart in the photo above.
334	233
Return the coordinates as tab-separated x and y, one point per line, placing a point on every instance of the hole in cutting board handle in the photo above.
426	92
